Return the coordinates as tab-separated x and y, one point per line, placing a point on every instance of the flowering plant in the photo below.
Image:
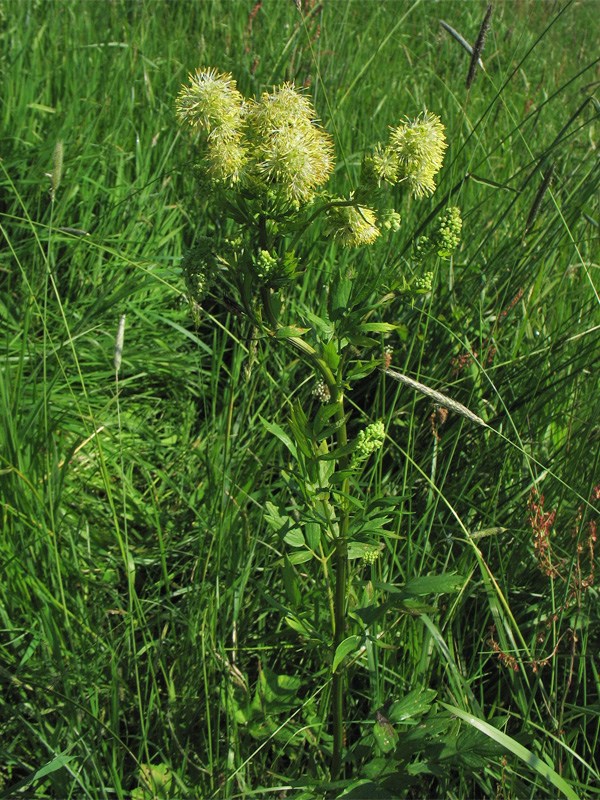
264	164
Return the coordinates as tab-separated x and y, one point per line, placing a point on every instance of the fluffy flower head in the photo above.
352	226
293	154
419	148
211	102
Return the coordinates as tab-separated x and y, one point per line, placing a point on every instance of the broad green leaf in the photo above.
361	549
300	557
339	295
280	691
323	414
358	340
290	583
295	538
370	614
349	645
298	424
273	518
414	704
52	766
273	428
365	789
330	354
323	326
517	749
339	452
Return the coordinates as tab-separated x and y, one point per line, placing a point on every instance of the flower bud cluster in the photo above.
368	441
370	556
390	220
321	392
423	283
266	264
199	268
447	235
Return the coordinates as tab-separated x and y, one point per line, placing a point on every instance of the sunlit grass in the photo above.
143	599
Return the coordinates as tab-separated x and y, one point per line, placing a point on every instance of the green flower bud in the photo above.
385	164
390	220
369	180
199	268
370	556
447	235
422	247
266	264
368	441
424	283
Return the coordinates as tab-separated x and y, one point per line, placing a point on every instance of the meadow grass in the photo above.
156	640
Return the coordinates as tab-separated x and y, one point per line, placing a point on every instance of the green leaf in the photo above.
339	295
517	749
370	614
273	428
300	557
362	369
300	428
360	549
279	691
330	355
364	789
57	763
349	645
290	583
362	341
323	414
414	704
376	327
313	535
290	330
433	584
323	326
385	735
332	429
295	538
339	452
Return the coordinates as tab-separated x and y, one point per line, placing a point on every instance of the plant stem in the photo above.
340	558
340	562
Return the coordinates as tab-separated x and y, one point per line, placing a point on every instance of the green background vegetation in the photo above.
144	597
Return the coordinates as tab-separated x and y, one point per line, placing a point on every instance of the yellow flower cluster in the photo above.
276	146
352	226
273	144
414	155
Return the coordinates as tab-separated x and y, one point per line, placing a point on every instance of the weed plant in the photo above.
154	638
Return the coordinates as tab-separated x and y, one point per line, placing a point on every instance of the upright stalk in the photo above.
340	568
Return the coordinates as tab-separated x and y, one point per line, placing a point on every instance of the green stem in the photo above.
340	557
340	564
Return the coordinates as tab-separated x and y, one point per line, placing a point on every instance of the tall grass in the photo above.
146	645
